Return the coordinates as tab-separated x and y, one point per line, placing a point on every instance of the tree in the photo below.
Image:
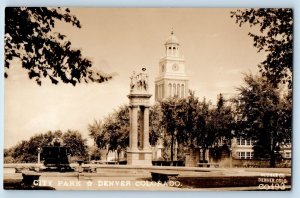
221	127
171	120
223	116
30	37
155	128
191	120
275	38
77	144
112	132
95	153
118	128
7	155
196	124
97	133
207	129
27	150
263	115
188	121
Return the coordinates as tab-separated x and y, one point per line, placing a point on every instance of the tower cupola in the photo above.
172	46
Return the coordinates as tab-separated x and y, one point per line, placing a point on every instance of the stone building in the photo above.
243	155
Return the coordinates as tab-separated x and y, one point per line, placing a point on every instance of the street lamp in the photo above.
39	155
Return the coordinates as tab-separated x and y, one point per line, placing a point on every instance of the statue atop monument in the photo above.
139	82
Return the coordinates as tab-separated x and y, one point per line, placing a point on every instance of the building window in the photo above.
174	89
248	142
170	90
244	142
156	92
160	91
178	90
248	155
245	155
182	91
242	155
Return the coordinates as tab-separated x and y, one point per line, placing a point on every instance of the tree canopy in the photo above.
264	115
27	150
196	123
30	37
275	38
112	132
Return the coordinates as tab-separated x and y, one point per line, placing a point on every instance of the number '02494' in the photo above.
276	186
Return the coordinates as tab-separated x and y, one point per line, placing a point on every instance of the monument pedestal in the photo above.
139	157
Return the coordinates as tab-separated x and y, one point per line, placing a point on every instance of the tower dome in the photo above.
172	39
172	46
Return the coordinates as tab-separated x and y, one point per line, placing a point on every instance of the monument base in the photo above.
139	157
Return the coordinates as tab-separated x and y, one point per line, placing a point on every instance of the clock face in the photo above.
175	67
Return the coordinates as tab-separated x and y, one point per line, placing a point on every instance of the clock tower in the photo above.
172	80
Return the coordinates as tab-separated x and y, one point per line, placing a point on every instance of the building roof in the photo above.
172	39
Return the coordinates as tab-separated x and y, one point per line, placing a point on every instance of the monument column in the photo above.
134	127
146	144
141	124
130	127
139	152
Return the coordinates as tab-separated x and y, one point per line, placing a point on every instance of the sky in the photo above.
121	40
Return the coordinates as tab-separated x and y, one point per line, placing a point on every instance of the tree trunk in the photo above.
272	157
272	153
272	161
203	154
118	156
172	149
179	150
106	156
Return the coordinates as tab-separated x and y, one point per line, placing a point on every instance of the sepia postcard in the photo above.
148	99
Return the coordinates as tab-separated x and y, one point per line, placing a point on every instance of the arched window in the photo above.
156	92
182	91
160	92
178	90
174	89
170	90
